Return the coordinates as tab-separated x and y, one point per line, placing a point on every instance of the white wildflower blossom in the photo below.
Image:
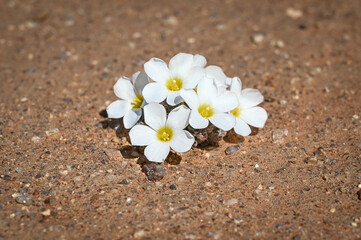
132	100
247	112
210	104
216	73
184	72
162	134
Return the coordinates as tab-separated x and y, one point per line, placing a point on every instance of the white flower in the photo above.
162	134
184	72
247	113
216	73
131	97
209	104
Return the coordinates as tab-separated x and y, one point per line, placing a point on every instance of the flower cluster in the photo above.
197	95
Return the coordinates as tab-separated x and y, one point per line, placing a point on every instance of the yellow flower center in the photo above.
236	112
205	110
137	101
174	84
165	134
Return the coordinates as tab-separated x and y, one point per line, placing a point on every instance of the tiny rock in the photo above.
257	38
232	202
171	20
139	234
294	13
279	135
51	131
46	213
154	172
359	194
231	149
24	200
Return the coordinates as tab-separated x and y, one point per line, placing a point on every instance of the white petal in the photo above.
225	102
223	121
157	70
157	151
155	115
190	97
174	98
242	128
228	81
135	75
178	117
197	121
206	90
250	98
180	65
236	85
140	79
124	89
182	141
255	116
141	135
199	61
217	74
193	78
118	109
154	92
131	118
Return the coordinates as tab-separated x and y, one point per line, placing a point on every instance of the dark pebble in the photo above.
154	172
278	226
288	145
231	149
173	187
1	206
40	175
51	201
68	100
124	182
302	26
7	177
359	194
306	189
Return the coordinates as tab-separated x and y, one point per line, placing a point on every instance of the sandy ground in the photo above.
65	175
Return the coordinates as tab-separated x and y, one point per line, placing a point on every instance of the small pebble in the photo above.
6	177
51	201
278	135
112	177
208	184
171	20
173	187
124	182
278	226
232	201
294	13
359	194
238	220
257	38
139	234
46	213
52	131
40	175
232	149
154	172
332	210
24	200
